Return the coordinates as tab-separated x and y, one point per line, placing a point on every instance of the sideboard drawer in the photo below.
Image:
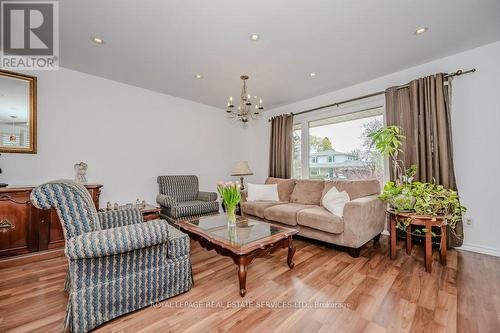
17	234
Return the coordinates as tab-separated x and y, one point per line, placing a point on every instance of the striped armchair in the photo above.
180	198
117	263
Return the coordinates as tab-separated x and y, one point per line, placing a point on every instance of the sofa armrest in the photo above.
118	240
207	196
364	218
119	217
166	201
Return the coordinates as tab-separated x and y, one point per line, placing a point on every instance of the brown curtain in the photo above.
280	152
422	110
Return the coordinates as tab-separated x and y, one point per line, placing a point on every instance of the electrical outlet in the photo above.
468	222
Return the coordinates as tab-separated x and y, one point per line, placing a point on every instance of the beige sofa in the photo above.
300	208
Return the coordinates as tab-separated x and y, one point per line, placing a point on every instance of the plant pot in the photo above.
403	203
231	214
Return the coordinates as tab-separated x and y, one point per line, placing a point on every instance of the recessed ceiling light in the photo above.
254	37
420	31
312	74
198	76
98	40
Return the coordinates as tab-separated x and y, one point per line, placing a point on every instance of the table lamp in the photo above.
241	169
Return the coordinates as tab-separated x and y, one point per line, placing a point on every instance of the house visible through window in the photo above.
339	147
297	146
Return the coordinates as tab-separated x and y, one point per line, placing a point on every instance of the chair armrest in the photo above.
119	217
119	240
364	218
166	201
207	196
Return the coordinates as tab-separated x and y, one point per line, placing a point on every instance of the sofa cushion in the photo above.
307	192
334	201
195	207
355	188
321	219
285	187
256	208
286	214
260	192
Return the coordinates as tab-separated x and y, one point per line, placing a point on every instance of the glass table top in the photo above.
244	232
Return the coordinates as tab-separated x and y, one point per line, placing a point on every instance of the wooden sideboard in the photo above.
25	229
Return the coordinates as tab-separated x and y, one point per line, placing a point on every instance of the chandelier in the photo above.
244	111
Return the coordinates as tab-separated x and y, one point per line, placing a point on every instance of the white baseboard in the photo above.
385	232
480	249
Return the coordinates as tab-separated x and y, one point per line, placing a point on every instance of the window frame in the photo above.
304	121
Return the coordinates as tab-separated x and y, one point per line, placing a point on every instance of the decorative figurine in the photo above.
81	172
109	206
116	206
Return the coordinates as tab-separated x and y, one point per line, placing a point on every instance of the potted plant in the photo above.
230	195
398	193
404	194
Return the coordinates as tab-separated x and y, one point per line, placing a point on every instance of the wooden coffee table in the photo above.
247	240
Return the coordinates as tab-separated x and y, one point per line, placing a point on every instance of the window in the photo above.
297	146
349	153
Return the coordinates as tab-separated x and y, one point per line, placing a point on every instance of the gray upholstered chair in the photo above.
117	262
180	198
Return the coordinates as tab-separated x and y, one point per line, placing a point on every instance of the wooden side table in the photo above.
150	212
427	222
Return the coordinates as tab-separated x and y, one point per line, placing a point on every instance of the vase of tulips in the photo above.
230	195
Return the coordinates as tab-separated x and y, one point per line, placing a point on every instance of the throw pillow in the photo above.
257	192
334	201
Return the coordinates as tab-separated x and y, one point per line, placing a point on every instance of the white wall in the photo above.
127	136
476	133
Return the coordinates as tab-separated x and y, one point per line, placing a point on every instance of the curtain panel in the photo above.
280	151
422	109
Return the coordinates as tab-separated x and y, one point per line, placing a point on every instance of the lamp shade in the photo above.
241	169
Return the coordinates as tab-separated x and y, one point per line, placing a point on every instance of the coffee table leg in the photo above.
242	275
291	252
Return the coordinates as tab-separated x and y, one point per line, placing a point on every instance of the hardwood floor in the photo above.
377	294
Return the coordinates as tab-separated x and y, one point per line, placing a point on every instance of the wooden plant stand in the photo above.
421	220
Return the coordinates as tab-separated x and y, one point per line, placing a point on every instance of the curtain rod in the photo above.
457	73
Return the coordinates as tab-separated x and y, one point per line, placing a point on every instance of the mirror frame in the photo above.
32	113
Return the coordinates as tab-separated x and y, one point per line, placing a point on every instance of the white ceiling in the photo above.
162	45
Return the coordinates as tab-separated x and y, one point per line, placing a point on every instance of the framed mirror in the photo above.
17	113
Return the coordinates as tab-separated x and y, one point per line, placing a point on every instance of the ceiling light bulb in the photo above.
98	40
254	37
421	30
198	76
312	74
